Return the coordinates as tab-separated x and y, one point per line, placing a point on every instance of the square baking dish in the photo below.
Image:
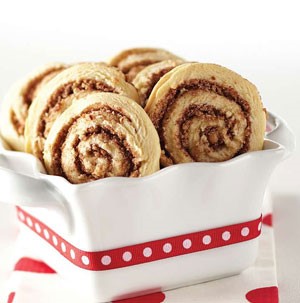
116	238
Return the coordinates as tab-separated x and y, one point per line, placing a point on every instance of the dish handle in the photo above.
278	131
20	187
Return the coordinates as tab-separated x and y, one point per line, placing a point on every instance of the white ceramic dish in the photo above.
119	237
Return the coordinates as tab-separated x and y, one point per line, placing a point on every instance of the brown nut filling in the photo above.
215	140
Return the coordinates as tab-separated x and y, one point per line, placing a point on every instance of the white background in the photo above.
258	39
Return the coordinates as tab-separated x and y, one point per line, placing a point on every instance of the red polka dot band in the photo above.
144	252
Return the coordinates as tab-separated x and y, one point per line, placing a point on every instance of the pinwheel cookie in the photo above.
206	113
132	61
146	79
58	94
102	135
17	102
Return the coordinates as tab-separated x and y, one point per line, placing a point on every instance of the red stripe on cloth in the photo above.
144	252
11	297
157	297
268	220
31	265
263	295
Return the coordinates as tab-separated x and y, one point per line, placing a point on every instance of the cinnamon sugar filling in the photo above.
32	86
18	126
28	96
131	166
132	69
131	74
65	91
213	134
215	139
97	151
154	78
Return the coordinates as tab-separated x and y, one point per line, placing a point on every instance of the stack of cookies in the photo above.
145	109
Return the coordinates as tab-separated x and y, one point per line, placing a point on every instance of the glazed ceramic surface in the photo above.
121	212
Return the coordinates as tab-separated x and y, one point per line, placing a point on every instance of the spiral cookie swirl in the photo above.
205	113
57	95
102	135
132	61
146	79
19	99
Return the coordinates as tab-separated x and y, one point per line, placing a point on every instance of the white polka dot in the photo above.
187	243
226	235
127	256
147	252
29	222
54	239
37	227
106	260
46	234
72	254
167	248
85	260
259	226
63	247
21	216
245	232
206	240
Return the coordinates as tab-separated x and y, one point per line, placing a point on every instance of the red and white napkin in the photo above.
25	279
